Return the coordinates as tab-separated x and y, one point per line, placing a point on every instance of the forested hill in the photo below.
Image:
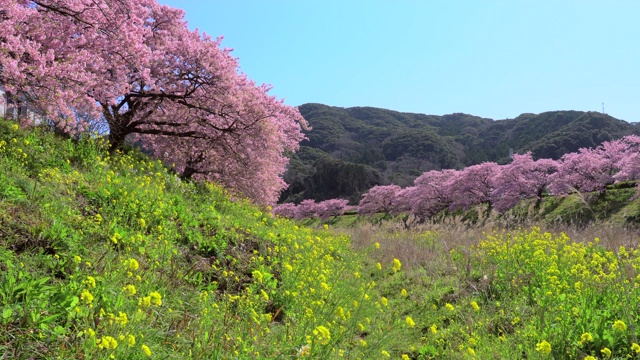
350	150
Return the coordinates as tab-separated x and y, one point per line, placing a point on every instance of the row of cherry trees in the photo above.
500	187
136	65
309	209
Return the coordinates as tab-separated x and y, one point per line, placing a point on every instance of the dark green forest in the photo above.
349	150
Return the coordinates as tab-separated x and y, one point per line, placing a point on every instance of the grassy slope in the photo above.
112	256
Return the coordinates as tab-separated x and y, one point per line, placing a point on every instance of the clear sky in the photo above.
489	58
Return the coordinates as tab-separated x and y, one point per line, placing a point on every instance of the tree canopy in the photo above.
137	66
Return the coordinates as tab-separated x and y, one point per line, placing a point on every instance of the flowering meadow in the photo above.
110	255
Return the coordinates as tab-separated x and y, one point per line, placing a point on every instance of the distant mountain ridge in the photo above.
352	149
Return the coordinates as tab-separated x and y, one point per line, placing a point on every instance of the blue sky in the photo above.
494	59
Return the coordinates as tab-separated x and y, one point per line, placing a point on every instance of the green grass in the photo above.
111	255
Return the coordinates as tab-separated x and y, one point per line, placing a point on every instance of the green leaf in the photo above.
6	313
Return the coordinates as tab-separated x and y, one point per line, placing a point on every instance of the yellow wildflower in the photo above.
635	347
385	353
606	352
543	347
144	301
129	290
131	264
77	259
586	337
146	350
396	265
449	307
434	329
131	340
589	358
156	298
90	281
384	301
619	325
107	342
86	297
410	321
322	334
471	351
122	318
475	306
403	293
405	357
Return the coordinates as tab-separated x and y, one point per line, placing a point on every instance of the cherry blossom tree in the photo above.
307	209
136	64
523	178
331	207
432	192
625	154
287	210
584	171
473	185
379	199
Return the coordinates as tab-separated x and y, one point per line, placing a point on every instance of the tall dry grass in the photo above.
427	244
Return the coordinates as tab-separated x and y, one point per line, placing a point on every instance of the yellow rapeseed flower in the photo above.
403	293
396	265
131	264
129	290
606	352
410	321
146	350
619	325
635	347
586	337
122	318
384	301
475	306
405	357
543	347
144	301
385	353
434	329
107	342
449	307
131	340
156	298
90	281
86	297
323	334
590	358
377	245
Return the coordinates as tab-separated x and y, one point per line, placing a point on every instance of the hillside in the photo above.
110	255
113	256
381	146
